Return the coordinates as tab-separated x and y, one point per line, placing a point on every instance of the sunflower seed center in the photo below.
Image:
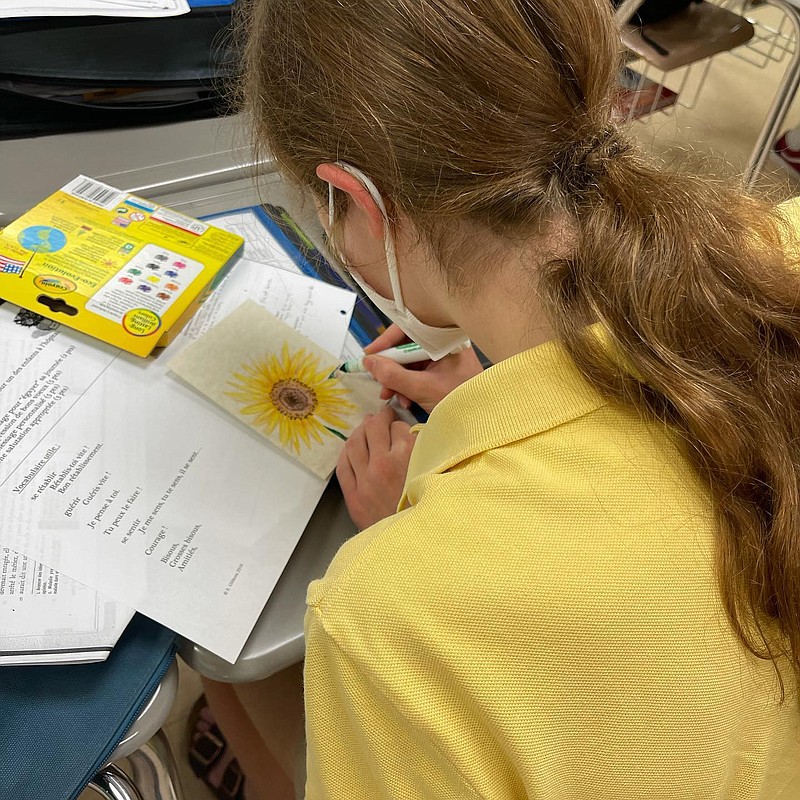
293	399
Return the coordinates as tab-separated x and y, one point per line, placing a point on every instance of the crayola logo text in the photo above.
53	284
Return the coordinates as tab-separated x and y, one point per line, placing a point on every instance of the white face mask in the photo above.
436	342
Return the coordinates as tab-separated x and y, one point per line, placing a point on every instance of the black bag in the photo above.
125	72
656	10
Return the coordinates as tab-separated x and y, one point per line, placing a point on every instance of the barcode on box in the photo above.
95	192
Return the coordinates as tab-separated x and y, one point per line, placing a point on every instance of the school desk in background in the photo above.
64	73
637	95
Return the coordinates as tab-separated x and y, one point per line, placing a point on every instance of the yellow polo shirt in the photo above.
541	620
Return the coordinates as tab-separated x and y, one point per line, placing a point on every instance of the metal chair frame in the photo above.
784	95
151	772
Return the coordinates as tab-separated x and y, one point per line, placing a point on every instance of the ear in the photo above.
357	192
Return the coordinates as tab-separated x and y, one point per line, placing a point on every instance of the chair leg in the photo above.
154	775
153	766
111	783
783	99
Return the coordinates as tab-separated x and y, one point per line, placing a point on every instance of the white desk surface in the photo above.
195	167
30	169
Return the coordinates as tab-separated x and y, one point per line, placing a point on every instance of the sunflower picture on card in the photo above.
279	383
292	394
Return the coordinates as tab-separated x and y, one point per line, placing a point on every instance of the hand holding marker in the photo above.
425	384
410	353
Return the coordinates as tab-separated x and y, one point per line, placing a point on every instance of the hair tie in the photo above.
585	161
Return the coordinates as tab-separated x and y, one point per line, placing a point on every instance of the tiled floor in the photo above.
724	123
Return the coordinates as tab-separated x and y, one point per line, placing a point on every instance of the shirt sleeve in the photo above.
359	744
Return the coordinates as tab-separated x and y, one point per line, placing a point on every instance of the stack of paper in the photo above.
119	476
103	8
47	618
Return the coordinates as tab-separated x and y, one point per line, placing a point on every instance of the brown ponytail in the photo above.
693	285
497	115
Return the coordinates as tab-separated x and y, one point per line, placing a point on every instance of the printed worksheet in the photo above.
109	8
148	493
45	617
261	247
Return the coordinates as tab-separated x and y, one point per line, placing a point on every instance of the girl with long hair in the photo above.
585	583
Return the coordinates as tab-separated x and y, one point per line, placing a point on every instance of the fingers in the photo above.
369	439
391	337
345	474
357	451
372	467
402	439
427	386
377	431
410	383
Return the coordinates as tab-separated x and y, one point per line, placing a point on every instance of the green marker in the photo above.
410	353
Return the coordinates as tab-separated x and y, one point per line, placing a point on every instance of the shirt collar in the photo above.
524	395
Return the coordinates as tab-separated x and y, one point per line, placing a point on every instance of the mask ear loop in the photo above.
391	255
341	268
